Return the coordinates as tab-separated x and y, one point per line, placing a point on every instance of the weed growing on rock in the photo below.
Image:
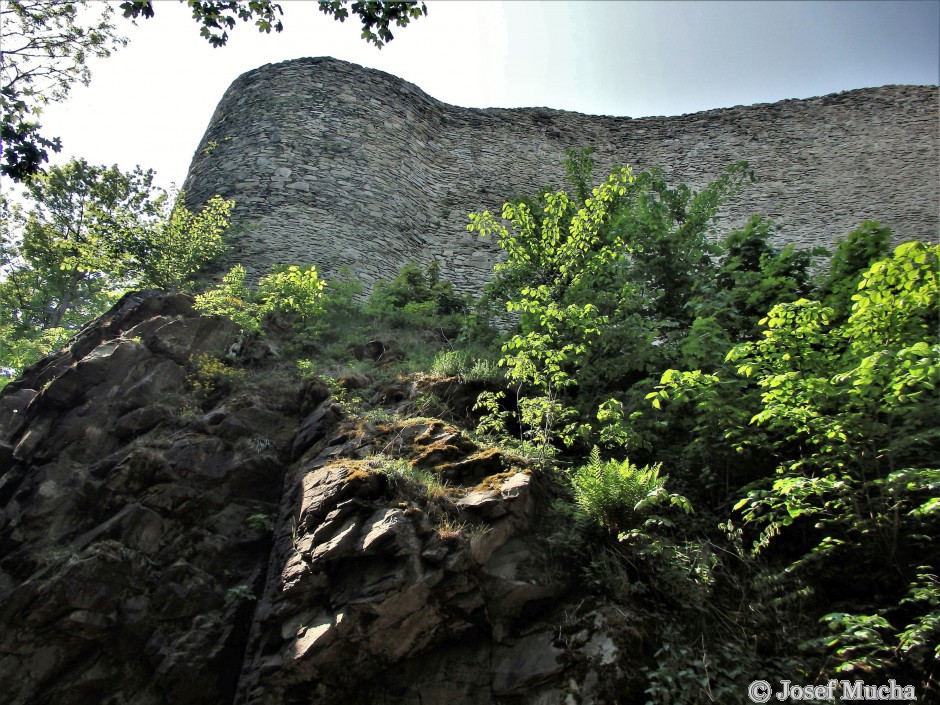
262	523
210	376
239	593
466	366
450	530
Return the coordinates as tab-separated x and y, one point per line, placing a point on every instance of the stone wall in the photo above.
334	164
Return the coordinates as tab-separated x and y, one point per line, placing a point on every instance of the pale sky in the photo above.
150	103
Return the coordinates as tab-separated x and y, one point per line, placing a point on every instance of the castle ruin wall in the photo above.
334	164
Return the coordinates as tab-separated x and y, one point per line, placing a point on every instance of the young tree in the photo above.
296	291
849	407
72	242
601	281
167	251
90	233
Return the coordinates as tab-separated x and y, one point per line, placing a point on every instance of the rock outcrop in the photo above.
177	532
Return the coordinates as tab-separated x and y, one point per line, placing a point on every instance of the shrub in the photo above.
418	298
182	242
467	366
231	299
289	288
293	289
447	363
210	375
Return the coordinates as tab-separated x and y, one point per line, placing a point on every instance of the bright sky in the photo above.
150	103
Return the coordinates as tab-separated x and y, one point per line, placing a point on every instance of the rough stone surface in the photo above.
125	529
245	545
336	164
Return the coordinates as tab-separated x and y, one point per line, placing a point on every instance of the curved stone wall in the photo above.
334	164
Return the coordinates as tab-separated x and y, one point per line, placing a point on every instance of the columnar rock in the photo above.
334	164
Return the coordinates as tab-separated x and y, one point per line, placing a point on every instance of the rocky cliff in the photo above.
174	534
333	164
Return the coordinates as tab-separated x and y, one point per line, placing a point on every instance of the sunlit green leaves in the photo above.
850	406
176	246
88	234
46	47
298	290
616	494
290	288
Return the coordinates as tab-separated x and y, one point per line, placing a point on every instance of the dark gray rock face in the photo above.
335	164
124	527
163	542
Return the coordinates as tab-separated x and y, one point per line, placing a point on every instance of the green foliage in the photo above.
233	300
239	593
261	522
466	365
419	299
554	334
180	242
376	17
579	168
290	289
688	672
66	258
494	417
861	642
341	313
215	17
350	402
19	350
86	235
752	276
411	479
46	48
853	255
849	407
47	44
209	376
603	285
616	494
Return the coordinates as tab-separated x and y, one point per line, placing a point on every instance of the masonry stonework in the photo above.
334	164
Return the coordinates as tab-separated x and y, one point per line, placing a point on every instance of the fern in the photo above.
617	494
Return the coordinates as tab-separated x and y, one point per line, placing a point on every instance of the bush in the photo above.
846	405
289	288
233	300
211	376
418	298
292	289
465	365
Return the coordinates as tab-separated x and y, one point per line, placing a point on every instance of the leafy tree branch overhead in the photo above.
45	49
46	45
216	17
